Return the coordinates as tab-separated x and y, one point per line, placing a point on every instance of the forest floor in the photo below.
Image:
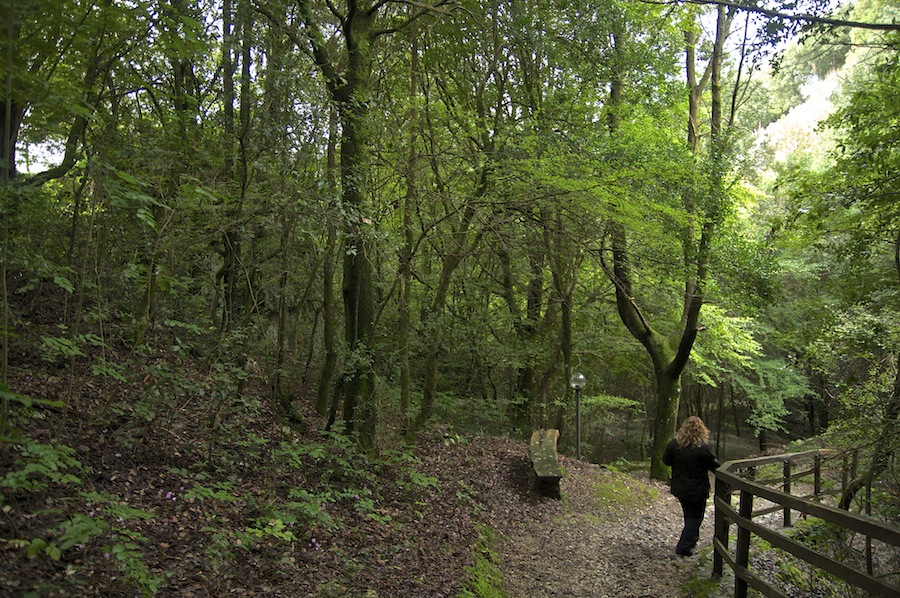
171	489
612	533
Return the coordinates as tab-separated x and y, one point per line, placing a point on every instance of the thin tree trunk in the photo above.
563	285
326	378
12	117
451	261
406	251
524	390
279	401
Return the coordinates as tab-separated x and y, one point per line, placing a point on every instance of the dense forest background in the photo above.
437	213
419	214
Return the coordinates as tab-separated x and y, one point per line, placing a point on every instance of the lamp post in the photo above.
577	382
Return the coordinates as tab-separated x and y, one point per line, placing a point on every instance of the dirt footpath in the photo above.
612	534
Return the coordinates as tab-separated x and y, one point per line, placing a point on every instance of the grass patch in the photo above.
626	466
701	588
622	490
485	576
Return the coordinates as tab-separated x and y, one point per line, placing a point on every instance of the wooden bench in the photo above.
545	462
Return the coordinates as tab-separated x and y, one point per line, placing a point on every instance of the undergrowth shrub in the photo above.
306	484
821	536
38	465
89	529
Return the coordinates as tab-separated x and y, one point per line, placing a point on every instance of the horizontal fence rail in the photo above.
740	478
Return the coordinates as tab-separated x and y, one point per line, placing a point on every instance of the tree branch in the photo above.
424	10
68	161
618	275
315	38
797	18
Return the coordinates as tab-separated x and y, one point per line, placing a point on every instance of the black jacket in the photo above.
690	480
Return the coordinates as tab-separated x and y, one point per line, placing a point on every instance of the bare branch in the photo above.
796	18
424	9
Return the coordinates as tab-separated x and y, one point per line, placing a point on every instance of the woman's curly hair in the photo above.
692	433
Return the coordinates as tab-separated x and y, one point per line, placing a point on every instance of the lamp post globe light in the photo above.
577	382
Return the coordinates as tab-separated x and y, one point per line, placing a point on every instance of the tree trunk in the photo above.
328	316
348	77
525	391
451	260
236	171
13	114
433	332
279	400
359	299
184	108
668	389
667	378
358	295
562	272
720	417
695	91
666	366
406	251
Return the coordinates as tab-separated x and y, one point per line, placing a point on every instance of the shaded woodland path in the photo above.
612	534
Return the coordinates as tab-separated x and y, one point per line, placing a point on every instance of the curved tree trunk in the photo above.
670	357
450	263
884	447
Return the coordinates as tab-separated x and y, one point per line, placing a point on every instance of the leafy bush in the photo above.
101	529
818	534
39	464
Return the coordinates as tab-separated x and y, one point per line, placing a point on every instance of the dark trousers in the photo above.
693	516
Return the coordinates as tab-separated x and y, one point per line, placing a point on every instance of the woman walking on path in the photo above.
691	460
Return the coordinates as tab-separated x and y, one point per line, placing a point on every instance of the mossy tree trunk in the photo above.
348	74
670	354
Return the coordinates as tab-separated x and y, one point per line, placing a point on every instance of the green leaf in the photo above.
26	400
64	283
146	216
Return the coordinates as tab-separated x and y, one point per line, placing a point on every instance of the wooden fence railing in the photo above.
739	477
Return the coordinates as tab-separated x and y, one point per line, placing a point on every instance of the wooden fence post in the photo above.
869	568
817	478
845	472
742	552
787	490
721	526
